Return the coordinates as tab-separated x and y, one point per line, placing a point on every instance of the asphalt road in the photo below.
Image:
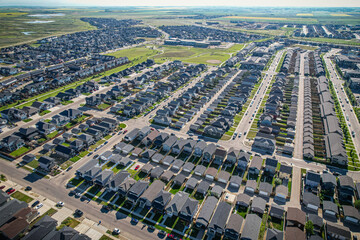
298	148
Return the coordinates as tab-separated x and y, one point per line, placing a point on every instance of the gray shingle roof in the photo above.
251	228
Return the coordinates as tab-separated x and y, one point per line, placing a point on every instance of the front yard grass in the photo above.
19	151
52	135
103	106
69	222
27	120
33	163
44	112
21	197
75	181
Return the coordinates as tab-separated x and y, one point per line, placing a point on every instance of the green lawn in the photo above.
22	197
34	163
122	125
27	120
103	106
69	222
44	112
74	159
66	102
52	135
19	151
75	181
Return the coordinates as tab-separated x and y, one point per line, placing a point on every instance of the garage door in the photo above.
251	190
209	177
312	207
352	220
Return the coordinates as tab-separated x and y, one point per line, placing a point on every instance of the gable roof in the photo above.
220	216
251	228
177	202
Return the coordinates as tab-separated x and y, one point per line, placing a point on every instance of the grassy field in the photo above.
332	40
17	27
211	56
21	197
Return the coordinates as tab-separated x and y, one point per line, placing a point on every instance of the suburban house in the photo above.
218	221
46	163
151	193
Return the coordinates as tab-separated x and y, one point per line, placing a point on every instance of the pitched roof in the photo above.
296	214
207	210
251	228
220	216
177	202
235	222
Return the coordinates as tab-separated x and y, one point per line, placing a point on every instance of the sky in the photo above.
243	3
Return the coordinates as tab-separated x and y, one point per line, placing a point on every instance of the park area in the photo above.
211	56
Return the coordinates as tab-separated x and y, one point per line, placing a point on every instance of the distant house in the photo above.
264	144
151	193
64	152
46	163
251	227
188	210
176	203
221	215
233	227
136	191
206	212
12	143
312	179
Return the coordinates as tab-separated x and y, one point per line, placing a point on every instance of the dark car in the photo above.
134	220
2	187
8	190
28	188
78	212
35	203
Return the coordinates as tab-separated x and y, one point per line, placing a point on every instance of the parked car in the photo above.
78	212
137	167
60	204
116	231
2	187
28	188
35	203
125	131
69	168
134	220
39	206
11	191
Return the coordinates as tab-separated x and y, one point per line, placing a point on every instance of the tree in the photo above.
277	181
309	227
357	204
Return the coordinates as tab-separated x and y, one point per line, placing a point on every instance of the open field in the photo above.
261	18
331	40
340	15
21	28
211	56
304	14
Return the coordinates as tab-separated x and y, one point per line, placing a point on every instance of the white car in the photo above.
116	231
39	206
60	204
